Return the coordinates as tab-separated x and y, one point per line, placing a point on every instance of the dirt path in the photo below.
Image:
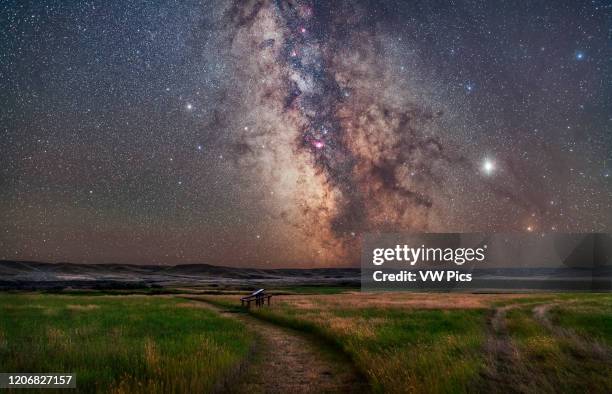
504	368
286	361
540	313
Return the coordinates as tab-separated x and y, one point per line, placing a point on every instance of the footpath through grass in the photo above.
399	349
439	343
120	343
567	348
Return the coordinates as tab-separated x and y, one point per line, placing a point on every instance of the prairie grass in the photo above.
438	343
591	318
557	359
121	344
401	343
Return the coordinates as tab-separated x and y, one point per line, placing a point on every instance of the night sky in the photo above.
276	133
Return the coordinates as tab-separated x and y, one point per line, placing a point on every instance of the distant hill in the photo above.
31	275
37	275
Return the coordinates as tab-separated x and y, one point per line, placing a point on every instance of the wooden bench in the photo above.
259	296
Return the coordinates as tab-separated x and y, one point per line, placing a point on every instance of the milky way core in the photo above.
336	135
277	133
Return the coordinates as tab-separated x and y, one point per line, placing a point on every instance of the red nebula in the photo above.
318	144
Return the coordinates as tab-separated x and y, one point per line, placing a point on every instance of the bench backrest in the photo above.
255	294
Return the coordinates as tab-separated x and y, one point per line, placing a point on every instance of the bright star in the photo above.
488	166
189	106
580	55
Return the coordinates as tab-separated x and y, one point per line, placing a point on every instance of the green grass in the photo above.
314	289
566	358
120	343
399	350
89	292
444	350
418	350
161	344
591	318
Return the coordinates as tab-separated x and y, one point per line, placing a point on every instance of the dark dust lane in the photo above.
286	361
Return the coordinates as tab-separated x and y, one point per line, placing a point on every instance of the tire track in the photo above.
504	371
583	347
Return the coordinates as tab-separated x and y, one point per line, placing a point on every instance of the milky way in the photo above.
277	133
358	147
365	157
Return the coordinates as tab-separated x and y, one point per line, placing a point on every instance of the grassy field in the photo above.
563	343
591	318
449	343
402	342
120	343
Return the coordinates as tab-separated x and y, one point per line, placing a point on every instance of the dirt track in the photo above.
585	348
286	361
504	370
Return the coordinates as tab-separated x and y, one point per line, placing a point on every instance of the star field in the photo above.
276	133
